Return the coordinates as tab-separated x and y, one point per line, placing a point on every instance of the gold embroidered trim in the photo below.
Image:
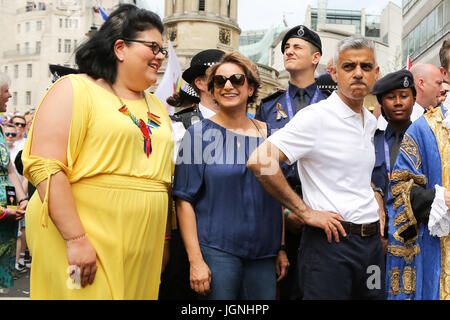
409	280
405	175
395	281
400	218
434	119
406	252
409	147
402	190
398	202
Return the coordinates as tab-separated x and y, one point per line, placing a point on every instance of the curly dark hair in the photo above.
96	56
250	71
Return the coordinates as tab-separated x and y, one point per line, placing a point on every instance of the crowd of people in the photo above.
313	197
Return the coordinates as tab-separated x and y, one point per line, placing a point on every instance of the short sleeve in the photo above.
298	137
189	168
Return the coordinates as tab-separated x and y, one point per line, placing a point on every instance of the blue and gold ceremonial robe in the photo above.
418	264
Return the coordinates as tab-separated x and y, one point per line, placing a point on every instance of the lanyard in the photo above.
315	99
387	158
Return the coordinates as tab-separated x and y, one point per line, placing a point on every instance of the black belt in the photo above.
363	230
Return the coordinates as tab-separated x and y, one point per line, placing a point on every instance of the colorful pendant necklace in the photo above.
152	122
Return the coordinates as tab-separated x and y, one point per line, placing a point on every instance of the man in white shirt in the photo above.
20	123
333	144
428	84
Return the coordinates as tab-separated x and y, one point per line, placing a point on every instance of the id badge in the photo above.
11	199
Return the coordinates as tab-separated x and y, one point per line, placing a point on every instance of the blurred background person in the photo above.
428	84
20	123
8	217
175	279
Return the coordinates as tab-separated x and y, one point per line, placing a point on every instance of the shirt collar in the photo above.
206	112
310	90
391	132
341	107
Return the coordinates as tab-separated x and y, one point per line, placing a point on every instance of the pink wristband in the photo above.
167	238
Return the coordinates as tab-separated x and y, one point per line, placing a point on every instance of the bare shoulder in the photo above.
52	122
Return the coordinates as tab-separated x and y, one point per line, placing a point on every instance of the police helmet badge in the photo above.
406	82
301	32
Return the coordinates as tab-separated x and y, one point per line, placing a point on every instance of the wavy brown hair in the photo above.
250	71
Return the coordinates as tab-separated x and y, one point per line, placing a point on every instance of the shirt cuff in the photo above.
439	221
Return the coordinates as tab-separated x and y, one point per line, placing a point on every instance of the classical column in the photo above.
191	6
212	6
234	10
168	10
224	8
179	7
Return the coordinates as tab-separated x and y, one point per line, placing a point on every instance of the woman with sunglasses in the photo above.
231	227
99	152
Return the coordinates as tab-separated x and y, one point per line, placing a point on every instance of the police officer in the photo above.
396	94
302	49
195	75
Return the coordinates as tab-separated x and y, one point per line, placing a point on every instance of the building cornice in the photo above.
205	18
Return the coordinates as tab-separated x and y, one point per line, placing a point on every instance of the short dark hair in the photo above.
18	116
250	71
444	54
96	56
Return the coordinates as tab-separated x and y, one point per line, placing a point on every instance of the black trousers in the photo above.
354	268
175	284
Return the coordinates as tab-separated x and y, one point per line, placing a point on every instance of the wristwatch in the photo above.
283	247
379	190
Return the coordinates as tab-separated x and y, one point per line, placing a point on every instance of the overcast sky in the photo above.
261	14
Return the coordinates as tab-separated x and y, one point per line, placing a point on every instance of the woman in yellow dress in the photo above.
99	152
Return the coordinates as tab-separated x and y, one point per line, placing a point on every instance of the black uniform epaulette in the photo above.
378	131
273	96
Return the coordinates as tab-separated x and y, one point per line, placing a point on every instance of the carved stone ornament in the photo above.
172	33
224	36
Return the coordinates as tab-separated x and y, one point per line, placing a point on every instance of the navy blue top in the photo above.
379	173
267	112
233	212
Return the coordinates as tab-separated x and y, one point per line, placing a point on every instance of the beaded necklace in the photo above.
152	122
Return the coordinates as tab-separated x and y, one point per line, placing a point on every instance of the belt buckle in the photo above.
363	234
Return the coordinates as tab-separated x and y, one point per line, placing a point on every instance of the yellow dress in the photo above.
120	196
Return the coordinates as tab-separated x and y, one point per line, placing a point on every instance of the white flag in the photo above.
171	81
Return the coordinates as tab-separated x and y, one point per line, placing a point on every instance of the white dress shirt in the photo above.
417	112
336	156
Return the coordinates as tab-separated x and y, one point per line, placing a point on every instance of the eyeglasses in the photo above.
17	124
236	80
12	134
156	48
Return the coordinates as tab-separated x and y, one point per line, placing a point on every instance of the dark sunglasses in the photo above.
12	134
156	48
17	124
236	80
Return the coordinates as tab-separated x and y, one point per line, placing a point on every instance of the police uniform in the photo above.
384	140
274	110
